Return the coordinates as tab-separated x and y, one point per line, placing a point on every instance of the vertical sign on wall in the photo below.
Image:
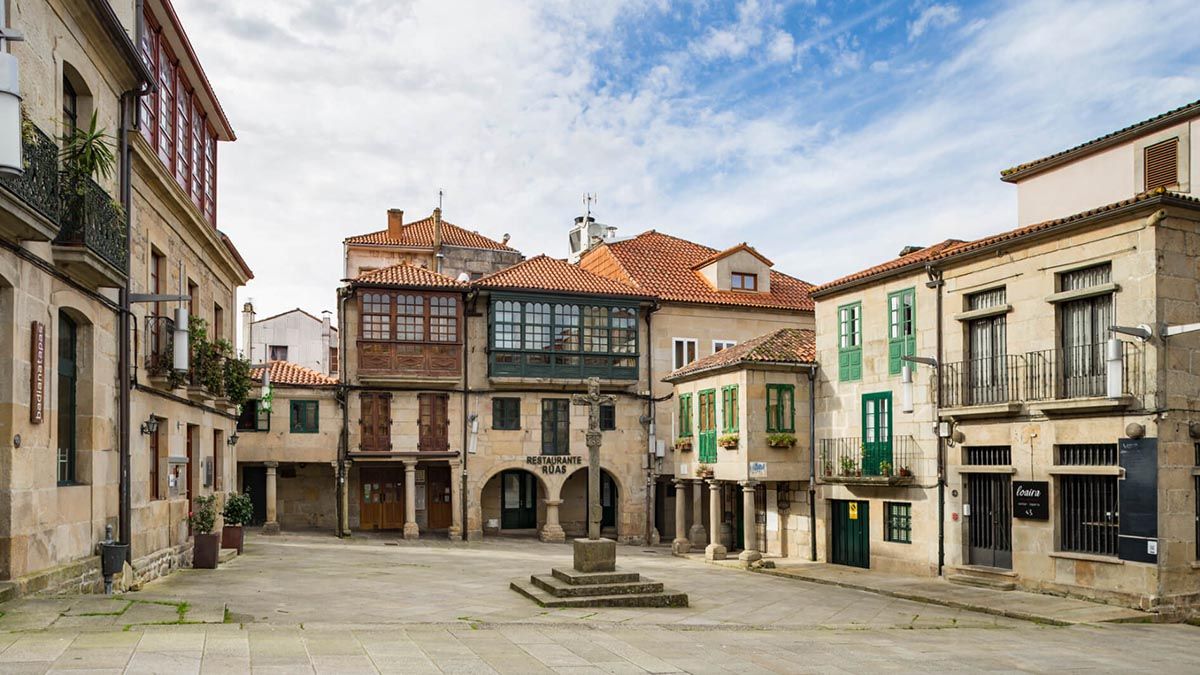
37	372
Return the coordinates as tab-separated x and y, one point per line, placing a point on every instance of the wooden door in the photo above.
850	533
434	422
876	432
437	497
381	499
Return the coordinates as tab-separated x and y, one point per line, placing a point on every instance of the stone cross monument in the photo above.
593	400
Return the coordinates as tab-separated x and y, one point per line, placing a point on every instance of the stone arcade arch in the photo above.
572	495
512	500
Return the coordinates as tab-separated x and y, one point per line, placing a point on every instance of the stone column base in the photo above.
655	537
714	552
270	528
474	535
411	531
552	533
595	555
455	533
749	556
680	546
697	533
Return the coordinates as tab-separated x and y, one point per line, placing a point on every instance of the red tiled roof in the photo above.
407	274
293	374
786	345
663	265
730	251
419	234
1158	121
952	247
543	273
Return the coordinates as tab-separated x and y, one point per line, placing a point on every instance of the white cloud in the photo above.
933	16
782	48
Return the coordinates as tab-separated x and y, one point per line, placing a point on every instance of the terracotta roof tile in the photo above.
293	374
407	274
663	265
1165	119
730	251
543	273
786	345
419	234
952	247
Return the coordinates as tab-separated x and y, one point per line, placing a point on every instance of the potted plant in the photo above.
781	440
905	471
704	471
207	547
238	513
885	468
728	441
847	466
683	444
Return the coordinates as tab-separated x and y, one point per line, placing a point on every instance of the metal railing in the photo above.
982	381
93	219
849	458
38	186
160	345
1079	372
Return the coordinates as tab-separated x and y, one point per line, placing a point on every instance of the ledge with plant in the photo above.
683	443
781	440
728	441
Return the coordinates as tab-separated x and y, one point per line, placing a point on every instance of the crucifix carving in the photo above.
593	400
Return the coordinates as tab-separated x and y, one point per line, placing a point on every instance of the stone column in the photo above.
697	533
714	550
749	528
552	529
411	531
345	524
456	523
272	524
681	544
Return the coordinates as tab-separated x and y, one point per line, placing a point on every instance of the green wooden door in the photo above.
850	533
876	432
708	426
518	500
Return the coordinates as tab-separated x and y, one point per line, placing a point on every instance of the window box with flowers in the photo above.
728	441
781	440
683	444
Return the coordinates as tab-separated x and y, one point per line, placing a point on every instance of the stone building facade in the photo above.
295	336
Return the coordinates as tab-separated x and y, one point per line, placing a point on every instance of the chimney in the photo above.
248	331
437	240
395	223
326	342
504	239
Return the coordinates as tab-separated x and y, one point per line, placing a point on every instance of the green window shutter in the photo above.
902	329
292	417
685	415
850	341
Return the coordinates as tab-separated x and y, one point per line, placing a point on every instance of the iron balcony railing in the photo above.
160	345
983	381
38	186
848	459
1079	372
91	218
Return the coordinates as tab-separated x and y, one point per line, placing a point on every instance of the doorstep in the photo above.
1036	607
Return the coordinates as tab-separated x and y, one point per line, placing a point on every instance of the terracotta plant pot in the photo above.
233	536
206	551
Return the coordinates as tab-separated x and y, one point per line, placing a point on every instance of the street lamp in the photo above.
150	426
906	378
232	440
11	144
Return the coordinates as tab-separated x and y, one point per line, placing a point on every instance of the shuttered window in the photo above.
781	408
303	417
685	415
729	408
376	422
1162	164
434	432
902	327
850	342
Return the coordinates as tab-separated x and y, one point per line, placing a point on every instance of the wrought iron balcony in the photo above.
852	461
985	381
93	220
160	345
1079	372
37	189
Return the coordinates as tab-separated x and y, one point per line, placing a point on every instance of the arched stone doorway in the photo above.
513	502
573	512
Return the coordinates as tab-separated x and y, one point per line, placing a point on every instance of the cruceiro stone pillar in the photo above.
697	533
714	550
681	544
272	524
456	521
552	530
411	531
750	551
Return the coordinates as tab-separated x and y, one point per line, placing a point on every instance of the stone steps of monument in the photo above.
572	576
559	589
667	598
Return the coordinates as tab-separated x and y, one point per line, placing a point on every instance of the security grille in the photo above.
1088	454
1162	164
1089	514
988	455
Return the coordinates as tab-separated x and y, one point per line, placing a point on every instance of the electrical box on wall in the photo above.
207	465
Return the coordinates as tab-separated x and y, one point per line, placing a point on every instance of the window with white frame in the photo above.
685	352
719	345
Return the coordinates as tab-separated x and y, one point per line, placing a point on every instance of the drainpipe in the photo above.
936	282
812	463
343	521
466	423
652	435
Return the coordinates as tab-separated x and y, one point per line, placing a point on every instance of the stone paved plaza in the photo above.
301	603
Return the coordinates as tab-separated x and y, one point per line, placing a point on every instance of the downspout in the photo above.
343	437
812	463
936	282
652	435
466	423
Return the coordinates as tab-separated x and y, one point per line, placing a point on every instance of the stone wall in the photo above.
309	500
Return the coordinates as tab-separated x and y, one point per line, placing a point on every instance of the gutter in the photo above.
651	431
468	296
343	517
936	282
812	464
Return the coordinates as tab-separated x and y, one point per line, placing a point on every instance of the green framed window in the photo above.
608	417
708	426
303	416
850	342
548	337
897	523
506	413
876	432
685	414
729	408
253	417
556	426
902	327
781	408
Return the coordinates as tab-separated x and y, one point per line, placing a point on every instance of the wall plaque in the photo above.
37	372
1031	499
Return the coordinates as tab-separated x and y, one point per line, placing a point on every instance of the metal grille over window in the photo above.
1089	512
988	455
898	525
1162	164
1088	454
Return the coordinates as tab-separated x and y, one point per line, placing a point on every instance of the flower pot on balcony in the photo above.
206	551
233	536
729	442
683	445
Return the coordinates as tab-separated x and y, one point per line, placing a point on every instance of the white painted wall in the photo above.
301	333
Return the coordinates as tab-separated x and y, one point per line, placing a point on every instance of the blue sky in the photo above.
827	134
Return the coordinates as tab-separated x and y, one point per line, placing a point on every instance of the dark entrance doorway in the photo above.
518	500
381	498
254	483
850	533
989	524
437	497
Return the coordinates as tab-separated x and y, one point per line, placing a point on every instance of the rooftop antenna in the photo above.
440	193
588	199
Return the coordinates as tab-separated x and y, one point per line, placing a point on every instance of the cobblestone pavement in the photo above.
310	603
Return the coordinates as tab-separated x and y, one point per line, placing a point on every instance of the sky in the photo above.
829	135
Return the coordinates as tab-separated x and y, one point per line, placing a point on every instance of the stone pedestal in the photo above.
456	520
714	550
552	531
697	533
271	526
750	552
680	545
595	555
411	530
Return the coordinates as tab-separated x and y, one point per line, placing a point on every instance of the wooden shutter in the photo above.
434	423
376	422
1162	164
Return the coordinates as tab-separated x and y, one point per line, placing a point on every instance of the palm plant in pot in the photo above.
207	548
238	513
